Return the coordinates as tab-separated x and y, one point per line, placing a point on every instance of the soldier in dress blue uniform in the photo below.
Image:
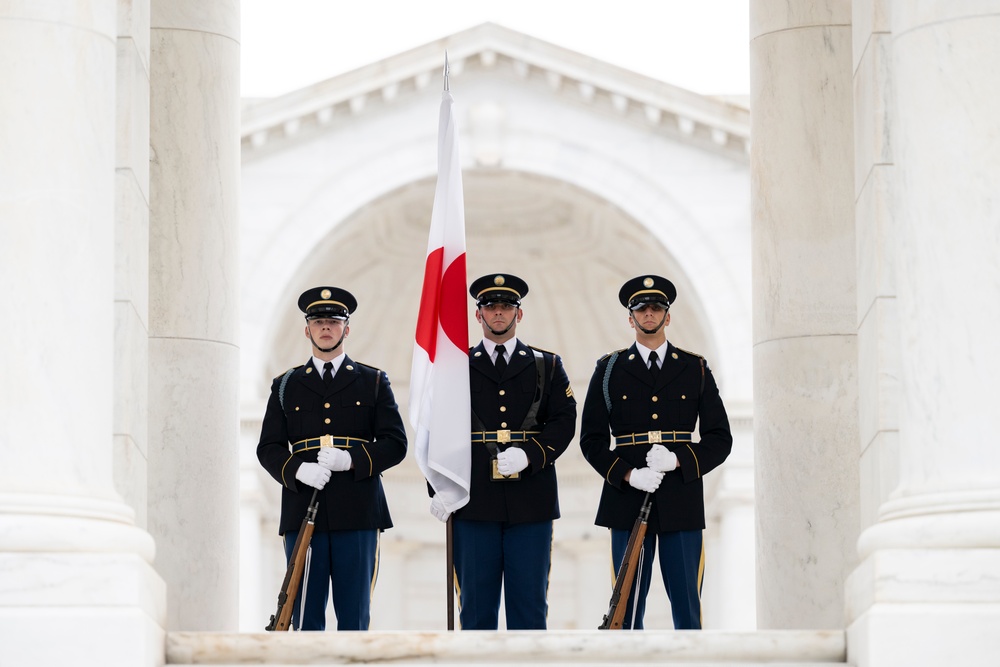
523	418
641	408
332	424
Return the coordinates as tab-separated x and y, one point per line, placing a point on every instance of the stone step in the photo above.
708	648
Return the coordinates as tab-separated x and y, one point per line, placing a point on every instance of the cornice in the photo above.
715	122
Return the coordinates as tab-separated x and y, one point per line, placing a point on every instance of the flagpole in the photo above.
450	561
450	525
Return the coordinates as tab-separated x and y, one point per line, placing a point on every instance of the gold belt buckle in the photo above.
326	441
503	436
655	437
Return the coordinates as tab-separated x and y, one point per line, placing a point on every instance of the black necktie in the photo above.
654	370
501	359
328	373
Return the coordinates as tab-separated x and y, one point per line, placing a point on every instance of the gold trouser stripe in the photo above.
701	579
371	588
458	594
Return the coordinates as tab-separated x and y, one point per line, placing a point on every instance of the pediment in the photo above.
491	49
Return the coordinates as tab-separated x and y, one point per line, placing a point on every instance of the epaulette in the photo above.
377	370
693	354
610	353
293	368
541	350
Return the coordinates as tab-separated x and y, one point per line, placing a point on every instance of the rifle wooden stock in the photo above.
615	617
282	618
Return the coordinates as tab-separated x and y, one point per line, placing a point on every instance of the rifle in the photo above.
615	617
282	617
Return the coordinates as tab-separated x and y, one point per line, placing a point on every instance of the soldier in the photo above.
638	417
332	424
523	418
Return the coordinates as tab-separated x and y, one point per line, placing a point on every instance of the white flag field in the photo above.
440	407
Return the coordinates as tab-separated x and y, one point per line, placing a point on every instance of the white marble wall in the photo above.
805	347
928	589
75	573
193	310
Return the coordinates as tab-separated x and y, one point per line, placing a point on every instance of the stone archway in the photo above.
573	195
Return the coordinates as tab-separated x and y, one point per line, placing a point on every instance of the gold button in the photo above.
309	370
296	408
327	420
655	399
358	403
674	355
503	408
656	416
503	392
503	424
326	405
624	398
350	368
683	396
631	357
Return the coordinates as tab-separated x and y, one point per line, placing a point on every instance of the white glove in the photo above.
511	461
660	458
438	510
313	474
645	479
333	459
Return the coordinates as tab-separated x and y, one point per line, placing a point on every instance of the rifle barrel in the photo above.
615	618
281	618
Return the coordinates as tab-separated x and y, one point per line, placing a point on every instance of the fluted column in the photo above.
193	288
928	589
805	343
76	582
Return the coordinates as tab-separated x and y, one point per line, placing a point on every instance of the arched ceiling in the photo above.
573	249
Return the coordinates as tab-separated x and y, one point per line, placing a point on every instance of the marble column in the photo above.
76	582
927	591
805	343
193	311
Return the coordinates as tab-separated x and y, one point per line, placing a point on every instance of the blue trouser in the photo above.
682	565
491	553
347	559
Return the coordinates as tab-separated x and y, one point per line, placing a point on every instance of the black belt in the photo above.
503	437
326	441
651	438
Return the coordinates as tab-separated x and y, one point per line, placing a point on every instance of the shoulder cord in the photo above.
607	378
281	389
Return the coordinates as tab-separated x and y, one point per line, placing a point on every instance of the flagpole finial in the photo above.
446	71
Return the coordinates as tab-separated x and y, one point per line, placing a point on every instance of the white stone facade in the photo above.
839	274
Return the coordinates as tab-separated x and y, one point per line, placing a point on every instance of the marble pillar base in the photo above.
80	609
925	607
567	647
908	635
